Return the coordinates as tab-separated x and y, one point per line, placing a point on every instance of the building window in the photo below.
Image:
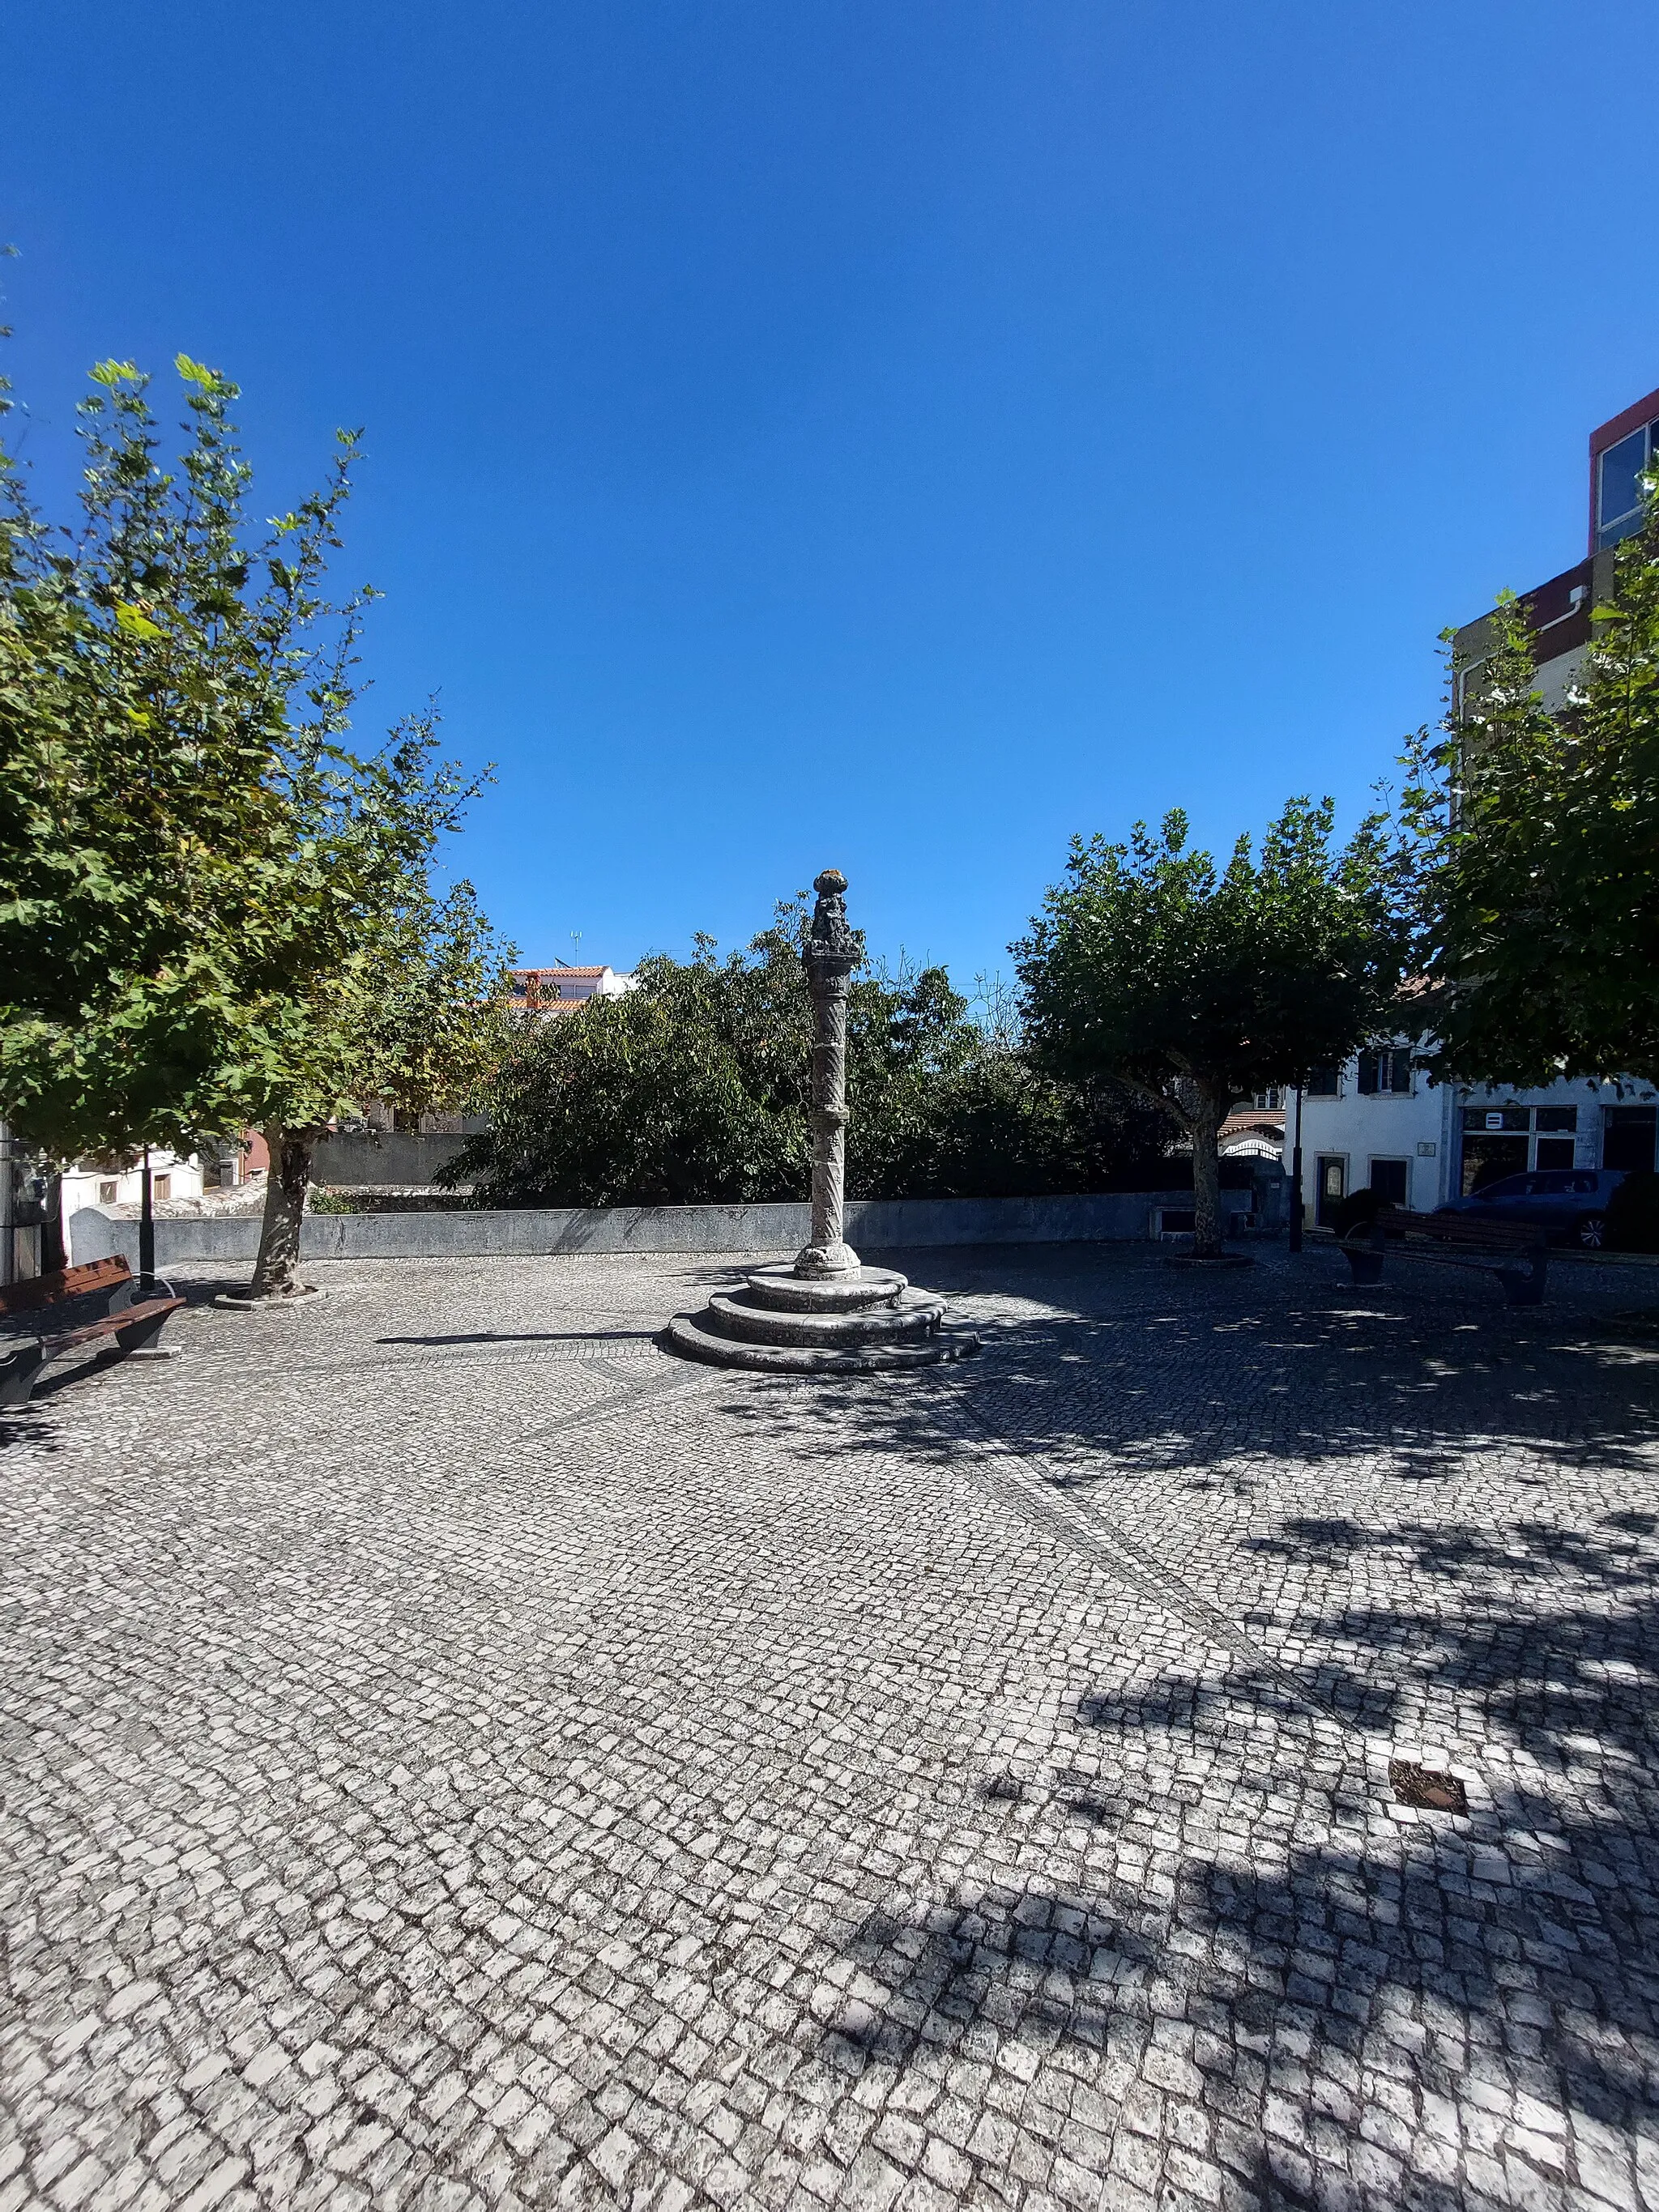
1488	1158
1322	1083
162	1186
1386	1074
1555	1151
1492	1120
1618	484
1557	1119
108	1193
1269	1102
1390	1180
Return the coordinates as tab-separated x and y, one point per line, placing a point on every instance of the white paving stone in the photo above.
454	1755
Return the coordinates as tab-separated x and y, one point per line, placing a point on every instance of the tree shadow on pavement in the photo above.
1352	2029
1117	1367
1392	2009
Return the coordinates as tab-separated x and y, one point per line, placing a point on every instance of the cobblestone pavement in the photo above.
454	1755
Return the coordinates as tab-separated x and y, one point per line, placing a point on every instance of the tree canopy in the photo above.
1538	847
1197	986
216	913
694	1087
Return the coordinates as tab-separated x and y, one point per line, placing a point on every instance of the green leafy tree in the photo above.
694	1088
1195	986
1538	848
215	913
137	724
393	994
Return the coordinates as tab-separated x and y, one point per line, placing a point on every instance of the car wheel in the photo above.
1591	1233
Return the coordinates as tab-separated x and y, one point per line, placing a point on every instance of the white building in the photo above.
89	1183
560	989
1379	1122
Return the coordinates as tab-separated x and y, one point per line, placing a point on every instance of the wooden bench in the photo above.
133	1321
1517	1252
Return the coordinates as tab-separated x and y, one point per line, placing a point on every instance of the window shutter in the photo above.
1368	1073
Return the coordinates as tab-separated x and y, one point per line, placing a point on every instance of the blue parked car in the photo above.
1568	1202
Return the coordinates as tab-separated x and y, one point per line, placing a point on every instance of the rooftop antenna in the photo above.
575	946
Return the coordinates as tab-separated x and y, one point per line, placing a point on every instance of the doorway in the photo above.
1391	1180
1628	1137
1332	1186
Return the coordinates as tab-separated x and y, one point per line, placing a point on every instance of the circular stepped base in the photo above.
685	1336
913	1314
860	1323
863	1289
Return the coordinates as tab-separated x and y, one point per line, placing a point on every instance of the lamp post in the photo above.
1296	1178
146	1226
832	951
8	1232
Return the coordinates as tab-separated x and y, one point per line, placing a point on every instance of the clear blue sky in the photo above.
890	435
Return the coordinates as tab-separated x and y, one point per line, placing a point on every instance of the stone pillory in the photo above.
832	952
826	1313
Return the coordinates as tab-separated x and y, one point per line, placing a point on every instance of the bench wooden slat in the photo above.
64	1283
111	1325
1470	1229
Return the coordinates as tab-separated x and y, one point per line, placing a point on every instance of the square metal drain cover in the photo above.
1429	1787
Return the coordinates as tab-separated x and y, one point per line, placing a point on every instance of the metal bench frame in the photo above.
1519	1260
134	1320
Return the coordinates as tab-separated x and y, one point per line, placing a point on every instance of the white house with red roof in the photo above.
561	988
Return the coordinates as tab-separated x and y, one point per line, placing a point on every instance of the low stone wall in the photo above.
872	1224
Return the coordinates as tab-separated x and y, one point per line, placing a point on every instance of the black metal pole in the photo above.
1296	1178
8	1212
146	1229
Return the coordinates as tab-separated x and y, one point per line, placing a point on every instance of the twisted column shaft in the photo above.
832	951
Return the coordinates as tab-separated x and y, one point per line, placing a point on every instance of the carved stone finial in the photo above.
830	939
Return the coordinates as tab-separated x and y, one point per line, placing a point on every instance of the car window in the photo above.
1585	1184
1506	1187
1551	1183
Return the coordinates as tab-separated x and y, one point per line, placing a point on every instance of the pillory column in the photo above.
832	951
825	1313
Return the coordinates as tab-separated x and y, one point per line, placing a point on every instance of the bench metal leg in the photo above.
18	1370
1523	1289
142	1336
1367	1266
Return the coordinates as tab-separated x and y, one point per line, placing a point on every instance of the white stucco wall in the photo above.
1357	1129
1426	1129
84	1186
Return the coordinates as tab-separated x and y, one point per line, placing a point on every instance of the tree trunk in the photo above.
287	1180
1206	1190
1194	1106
